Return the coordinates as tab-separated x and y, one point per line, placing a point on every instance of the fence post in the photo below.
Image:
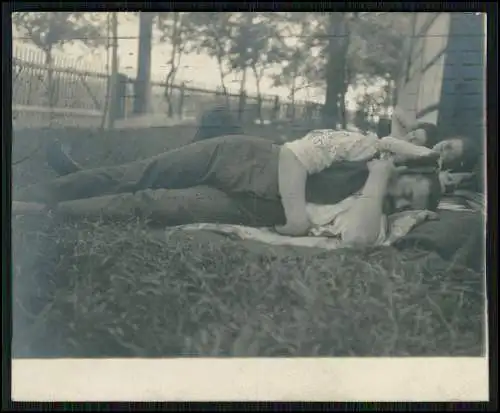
49	62
308	112
259	108
113	78
276	108
143	78
182	91
219	93
241	105
120	97
288	111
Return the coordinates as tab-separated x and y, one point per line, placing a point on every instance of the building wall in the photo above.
463	94
420	88
443	79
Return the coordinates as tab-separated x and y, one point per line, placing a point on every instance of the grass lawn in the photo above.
89	289
94	289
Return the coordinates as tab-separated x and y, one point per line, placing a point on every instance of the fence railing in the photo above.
69	92
188	102
66	92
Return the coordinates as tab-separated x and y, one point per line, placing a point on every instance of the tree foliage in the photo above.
327	51
383	35
352	47
49	30
330	51
215	31
297	57
255	47
177	30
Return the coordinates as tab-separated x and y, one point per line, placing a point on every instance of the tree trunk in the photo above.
392	93
169	80
112	109
343	110
222	80
168	92
243	80
259	94
142	86
293	91
346	73
50	83
242	99
335	69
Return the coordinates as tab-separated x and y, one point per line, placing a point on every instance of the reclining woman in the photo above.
458	156
325	167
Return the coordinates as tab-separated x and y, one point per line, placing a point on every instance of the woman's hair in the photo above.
431	133
217	121
470	155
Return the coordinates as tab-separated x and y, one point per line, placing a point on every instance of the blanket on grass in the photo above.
456	232
323	235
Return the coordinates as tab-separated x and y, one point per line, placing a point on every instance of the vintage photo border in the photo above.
313	379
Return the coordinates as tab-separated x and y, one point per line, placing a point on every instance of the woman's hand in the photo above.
294	229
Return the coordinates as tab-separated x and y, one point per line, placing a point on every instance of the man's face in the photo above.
408	192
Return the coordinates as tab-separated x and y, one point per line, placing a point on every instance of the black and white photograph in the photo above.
250	185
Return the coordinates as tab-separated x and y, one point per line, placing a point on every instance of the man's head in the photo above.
217	121
423	134
411	190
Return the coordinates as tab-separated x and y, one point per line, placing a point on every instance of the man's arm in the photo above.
292	177
365	216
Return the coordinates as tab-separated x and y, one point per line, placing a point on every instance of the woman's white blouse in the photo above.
320	148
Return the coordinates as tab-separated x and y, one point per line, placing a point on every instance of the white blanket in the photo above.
325	231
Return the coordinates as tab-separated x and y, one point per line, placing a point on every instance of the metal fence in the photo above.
69	92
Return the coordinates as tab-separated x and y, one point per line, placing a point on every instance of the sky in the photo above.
196	69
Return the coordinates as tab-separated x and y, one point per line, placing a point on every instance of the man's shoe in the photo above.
59	160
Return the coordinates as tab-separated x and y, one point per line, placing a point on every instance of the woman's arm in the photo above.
292	177
365	216
404	149
402	123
